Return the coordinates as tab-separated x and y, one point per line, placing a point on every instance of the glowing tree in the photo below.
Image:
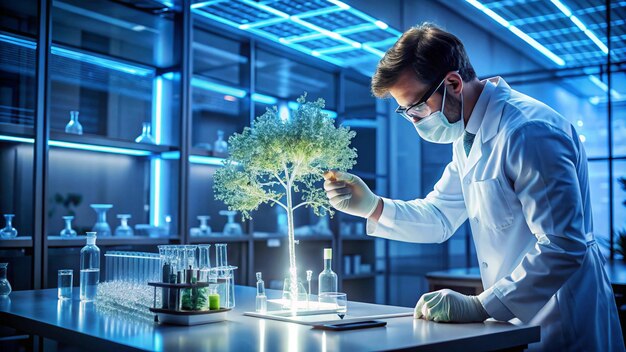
276	158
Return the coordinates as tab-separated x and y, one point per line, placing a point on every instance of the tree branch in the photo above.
302	204
277	202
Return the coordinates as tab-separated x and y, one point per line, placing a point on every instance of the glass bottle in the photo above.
124	229
101	227
145	136
89	269
231	228
220	145
327	279
261	298
74	127
5	286
8	231
68	231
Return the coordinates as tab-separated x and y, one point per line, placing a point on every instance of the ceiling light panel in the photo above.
328	29
574	30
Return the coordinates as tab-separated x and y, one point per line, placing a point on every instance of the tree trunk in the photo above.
293	272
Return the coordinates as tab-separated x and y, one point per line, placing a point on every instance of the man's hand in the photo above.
450	306
349	194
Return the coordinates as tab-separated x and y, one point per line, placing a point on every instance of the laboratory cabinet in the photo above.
125	114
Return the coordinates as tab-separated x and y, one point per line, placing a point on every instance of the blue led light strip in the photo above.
567	12
525	37
80	146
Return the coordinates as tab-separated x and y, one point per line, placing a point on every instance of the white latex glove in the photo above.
349	194
450	306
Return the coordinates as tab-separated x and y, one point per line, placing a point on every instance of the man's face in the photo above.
408	90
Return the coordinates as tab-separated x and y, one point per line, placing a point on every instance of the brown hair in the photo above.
429	51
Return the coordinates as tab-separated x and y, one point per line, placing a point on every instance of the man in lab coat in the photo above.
519	173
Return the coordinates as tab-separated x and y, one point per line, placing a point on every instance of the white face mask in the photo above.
436	128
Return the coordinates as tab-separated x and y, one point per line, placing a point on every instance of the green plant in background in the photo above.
621	235
274	159
68	202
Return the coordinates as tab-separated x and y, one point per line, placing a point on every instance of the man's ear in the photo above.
454	82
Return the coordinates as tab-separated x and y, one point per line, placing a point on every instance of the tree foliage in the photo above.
275	158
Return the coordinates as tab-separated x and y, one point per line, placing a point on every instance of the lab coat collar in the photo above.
490	124
491	121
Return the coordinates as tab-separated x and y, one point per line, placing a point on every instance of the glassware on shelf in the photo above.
65	284
101	226
5	286
220	145
68	231
145	136
74	127
89	269
204	229
124	229
231	228
8	231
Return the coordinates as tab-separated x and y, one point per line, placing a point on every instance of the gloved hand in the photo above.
450	306
349	194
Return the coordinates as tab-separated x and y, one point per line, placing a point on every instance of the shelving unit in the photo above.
145	68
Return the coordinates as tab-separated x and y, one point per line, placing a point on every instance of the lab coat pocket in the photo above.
492	206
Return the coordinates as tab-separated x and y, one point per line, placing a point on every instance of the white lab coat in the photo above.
524	187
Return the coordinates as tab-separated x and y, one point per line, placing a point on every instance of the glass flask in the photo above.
89	269
8	231
301	295
204	262
124	229
231	228
101	227
68	231
204	229
74	127
220	145
327	280
145	136
5	286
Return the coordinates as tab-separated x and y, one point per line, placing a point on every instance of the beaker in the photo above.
68	231
101	226
8	231
231	228
124	229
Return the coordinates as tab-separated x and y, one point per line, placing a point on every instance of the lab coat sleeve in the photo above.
430	220
540	162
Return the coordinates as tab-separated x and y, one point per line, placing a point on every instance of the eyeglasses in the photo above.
419	110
